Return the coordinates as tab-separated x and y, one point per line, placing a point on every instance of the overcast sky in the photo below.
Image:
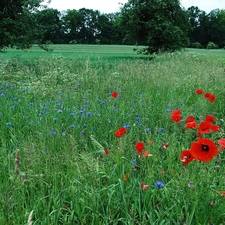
110	6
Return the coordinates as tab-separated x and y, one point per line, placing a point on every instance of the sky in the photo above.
111	6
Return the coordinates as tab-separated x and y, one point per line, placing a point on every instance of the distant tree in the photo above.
216	27
17	23
50	26
198	20
159	25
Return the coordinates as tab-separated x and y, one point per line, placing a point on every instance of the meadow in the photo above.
88	137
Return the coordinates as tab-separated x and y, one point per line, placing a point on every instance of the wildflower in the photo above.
222	193
186	156
165	145
204	149
144	186
59	111
159	184
150	142
139	147
119	133
212	98
53	132
191	184
206	95
191	123
106	151
114	94
209	118
204	127
199	91
147	153
221	142
175	116
125	177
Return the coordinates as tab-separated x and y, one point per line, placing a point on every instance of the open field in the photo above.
63	163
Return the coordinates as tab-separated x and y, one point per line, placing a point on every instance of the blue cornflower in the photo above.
12	107
59	111
8	124
81	111
55	119
31	104
72	126
53	132
147	130
89	114
159	184
125	125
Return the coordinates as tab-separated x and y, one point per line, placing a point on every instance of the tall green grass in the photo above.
58	117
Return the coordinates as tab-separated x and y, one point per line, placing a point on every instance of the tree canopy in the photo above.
159	25
17	26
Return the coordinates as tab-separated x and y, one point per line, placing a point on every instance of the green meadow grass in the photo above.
58	116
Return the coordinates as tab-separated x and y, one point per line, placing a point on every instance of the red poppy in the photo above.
212	98
106	151
175	112
221	142
209	118
204	149
165	145
186	156
191	123
204	127
139	147
206	95
215	128
119	133
176	117
114	94
199	91
147	153
125	177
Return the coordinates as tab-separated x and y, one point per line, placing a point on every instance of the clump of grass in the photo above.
62	117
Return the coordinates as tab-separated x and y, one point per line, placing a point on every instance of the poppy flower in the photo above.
106	151
175	116
139	147
144	186
209	118
206	95
191	123
114	94
204	127
199	91
221	142
165	145
204	149
125	177
119	133
186	156
215	128
212	98
147	153
222	193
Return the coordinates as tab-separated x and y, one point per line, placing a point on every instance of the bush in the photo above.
196	45
212	45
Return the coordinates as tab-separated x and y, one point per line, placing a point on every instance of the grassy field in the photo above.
63	160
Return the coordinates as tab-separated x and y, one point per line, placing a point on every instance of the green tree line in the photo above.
158	25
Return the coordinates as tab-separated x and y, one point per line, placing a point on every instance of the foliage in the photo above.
196	45
211	45
159	25
18	27
58	114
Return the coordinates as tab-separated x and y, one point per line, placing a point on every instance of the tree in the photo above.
17	24
160	25
50	26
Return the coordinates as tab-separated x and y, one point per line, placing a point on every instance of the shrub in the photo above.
212	45
196	45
